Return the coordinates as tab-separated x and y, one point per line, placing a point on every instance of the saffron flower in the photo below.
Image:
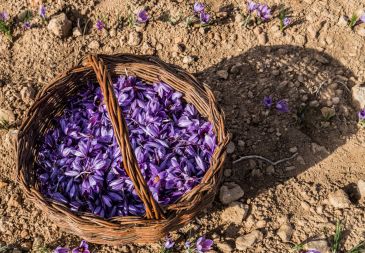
282	106
187	245
27	25
4	16
83	248
312	251
99	25
42	11
199	7
251	6
362	18
169	243
361	115
267	101
204	17
287	21
203	244
142	16
263	12
61	250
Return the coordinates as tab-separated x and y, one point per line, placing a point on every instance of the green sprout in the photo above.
353	21
4	249
4	124
298	247
337	237
6	29
358	248
43	249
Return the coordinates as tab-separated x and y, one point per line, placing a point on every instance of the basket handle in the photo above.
153	209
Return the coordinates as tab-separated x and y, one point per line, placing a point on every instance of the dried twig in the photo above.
264	159
318	90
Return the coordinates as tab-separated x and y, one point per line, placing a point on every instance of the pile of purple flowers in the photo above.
80	164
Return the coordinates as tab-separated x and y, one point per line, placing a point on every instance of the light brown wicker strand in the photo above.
153	210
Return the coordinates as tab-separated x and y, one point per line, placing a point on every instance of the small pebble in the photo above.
188	59
339	199
231	147
222	74
248	240
293	149
94	45
230	192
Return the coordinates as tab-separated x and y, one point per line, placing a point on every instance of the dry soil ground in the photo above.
313	64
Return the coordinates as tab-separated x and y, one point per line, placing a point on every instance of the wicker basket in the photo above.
158	220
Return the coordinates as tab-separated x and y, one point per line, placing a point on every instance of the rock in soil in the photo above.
231	147
60	25
27	94
222	74
248	240
95	45
7	115
285	232
188	59
135	38
361	188
224	247
339	199
343	21
320	245
3	184
235	213
358	96
230	192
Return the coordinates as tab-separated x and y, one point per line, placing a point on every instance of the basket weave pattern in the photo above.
158	220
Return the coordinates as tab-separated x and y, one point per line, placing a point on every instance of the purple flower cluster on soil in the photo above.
80	165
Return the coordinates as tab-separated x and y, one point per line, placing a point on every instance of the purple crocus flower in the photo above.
204	17
83	248
100	25
187	245
362	18
203	244
199	7
282	106
27	25
267	101
61	250
361	115
251	6
169	243
4	16
142	16
42	11
312	251
287	21
264	12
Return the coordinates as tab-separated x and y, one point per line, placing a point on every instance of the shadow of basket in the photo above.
321	116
